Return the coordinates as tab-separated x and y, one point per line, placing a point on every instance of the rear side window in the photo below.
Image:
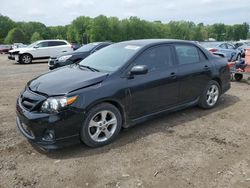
188	54
57	43
156	58
229	46
223	46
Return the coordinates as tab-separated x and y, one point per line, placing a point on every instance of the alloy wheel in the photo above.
212	95
26	59
102	126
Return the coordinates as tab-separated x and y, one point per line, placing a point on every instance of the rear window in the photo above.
57	43
187	54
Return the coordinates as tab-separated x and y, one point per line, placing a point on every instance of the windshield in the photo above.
87	47
111	58
209	44
33	44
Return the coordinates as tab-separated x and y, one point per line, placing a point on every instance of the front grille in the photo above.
30	100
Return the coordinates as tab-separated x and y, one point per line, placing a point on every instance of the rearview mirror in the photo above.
138	70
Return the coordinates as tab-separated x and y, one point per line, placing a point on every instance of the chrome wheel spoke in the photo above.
95	136
104	115
93	123
107	133
112	121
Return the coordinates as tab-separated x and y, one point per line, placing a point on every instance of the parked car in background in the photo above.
230	51
76	56
242	46
5	48
119	86
43	49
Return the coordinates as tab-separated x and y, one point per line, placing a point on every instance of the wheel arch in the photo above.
218	80
115	103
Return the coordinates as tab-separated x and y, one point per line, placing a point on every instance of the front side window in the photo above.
42	44
156	58
187	54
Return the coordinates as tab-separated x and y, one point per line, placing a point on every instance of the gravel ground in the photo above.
190	148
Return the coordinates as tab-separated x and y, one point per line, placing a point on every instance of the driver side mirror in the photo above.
138	70
36	47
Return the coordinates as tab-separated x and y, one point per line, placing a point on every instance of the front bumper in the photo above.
35	126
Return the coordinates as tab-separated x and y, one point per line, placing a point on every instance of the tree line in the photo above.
101	28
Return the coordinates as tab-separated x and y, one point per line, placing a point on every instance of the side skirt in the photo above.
166	111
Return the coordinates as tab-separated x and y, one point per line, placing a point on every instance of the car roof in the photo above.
48	40
146	42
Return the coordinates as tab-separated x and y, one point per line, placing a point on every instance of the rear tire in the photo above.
101	125
210	95
25	59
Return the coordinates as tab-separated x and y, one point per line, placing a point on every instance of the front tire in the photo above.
210	95
25	59
101	126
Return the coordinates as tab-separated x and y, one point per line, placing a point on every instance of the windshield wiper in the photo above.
90	68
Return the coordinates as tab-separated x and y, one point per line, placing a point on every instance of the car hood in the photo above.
65	80
20	49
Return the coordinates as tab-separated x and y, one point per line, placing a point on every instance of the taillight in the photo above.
212	50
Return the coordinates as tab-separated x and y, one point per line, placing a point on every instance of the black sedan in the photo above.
77	55
119	86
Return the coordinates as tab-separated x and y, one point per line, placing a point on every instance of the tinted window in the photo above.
42	44
230	46
223	46
202	56
187	54
101	46
156	58
56	43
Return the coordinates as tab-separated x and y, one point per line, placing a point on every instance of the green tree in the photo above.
35	37
6	24
15	35
100	30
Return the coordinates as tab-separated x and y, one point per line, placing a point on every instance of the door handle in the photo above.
206	67
172	75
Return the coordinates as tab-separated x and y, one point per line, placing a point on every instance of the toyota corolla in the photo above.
117	87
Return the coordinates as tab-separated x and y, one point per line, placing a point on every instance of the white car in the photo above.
43	49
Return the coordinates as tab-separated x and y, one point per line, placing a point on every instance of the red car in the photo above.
5	48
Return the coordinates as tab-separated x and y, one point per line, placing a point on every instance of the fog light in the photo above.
49	135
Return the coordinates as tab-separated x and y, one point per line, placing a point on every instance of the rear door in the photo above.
58	48
194	71
159	88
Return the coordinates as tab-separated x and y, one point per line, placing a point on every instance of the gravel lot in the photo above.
190	148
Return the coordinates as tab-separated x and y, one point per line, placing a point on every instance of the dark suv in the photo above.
119	86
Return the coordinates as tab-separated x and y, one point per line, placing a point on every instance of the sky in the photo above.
62	12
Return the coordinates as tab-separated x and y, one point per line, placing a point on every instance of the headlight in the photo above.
55	104
64	58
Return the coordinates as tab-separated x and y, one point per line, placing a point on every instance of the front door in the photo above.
159	88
